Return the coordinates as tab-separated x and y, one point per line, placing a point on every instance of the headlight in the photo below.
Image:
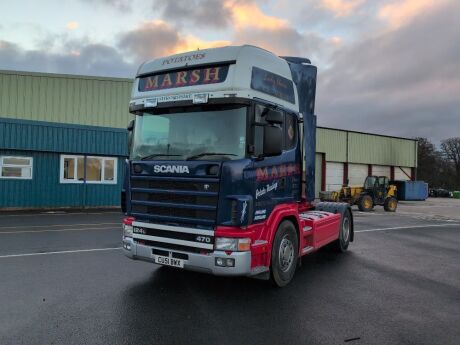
127	230
233	244
128	227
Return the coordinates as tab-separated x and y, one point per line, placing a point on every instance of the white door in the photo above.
334	175
318	173
381	170
402	173
357	173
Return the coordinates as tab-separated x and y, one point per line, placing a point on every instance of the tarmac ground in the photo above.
64	280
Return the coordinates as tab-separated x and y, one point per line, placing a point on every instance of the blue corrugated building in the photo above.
53	153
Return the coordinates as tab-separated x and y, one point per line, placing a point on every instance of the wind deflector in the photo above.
304	77
294	59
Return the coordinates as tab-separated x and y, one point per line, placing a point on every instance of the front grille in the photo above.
182	201
177	198
173	212
171	246
171	234
177	184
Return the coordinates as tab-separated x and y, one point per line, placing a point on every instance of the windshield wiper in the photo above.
209	154
153	155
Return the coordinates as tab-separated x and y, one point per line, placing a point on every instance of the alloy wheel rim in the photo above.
286	254
346	229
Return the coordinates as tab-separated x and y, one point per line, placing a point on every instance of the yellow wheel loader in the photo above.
376	191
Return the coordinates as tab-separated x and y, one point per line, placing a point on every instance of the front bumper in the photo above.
196	262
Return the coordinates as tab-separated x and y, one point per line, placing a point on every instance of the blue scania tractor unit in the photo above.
221	174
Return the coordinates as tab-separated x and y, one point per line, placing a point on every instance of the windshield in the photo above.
211	133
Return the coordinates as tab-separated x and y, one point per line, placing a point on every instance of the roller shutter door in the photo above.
402	176
381	170
318	173
357	173
334	175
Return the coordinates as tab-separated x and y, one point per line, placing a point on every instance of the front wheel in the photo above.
285	252
342	243
365	203
390	204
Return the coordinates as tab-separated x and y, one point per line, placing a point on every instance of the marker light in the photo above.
150	102
200	98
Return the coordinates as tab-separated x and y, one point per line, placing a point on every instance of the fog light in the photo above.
221	262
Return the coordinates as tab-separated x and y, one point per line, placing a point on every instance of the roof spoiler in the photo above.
297	60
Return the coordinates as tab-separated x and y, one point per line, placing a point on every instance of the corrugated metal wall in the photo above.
46	136
94	101
354	147
333	143
372	149
45	190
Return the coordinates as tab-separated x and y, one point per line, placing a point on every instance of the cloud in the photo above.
403	82
157	38
121	5
288	41
86	59
71	25
401	12
199	13
248	14
341	8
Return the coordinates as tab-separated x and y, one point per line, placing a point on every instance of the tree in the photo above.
451	150
428	160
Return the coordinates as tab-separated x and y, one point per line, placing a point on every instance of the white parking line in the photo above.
53	226
409	227
57	230
61	252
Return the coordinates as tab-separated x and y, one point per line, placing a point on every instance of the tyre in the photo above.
390	204
342	243
365	203
285	252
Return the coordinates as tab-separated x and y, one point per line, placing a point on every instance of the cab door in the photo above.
277	178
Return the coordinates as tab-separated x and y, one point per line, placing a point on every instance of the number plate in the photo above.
167	261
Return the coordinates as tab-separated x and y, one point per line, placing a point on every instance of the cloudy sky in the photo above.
385	66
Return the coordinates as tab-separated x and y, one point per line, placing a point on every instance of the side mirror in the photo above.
274	116
273	141
130	126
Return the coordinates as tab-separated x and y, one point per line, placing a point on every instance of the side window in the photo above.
290	132
16	167
259	118
97	169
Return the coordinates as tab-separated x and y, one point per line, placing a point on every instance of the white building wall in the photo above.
357	173
381	170
334	175
402	173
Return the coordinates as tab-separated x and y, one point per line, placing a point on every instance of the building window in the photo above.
78	169
16	167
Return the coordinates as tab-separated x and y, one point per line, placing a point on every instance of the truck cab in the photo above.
220	177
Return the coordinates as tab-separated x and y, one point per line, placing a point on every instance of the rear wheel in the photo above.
285	252
342	243
390	204
365	203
